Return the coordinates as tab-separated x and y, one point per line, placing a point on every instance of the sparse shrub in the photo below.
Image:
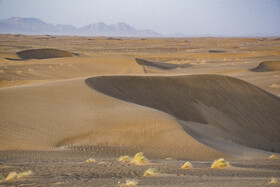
273	181
187	165
12	176
124	158
15	175
90	160
274	157
220	163
139	159
151	172
129	182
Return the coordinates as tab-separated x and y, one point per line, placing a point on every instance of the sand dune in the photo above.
197	117
232	109
267	66
70	113
160	65
43	54
56	113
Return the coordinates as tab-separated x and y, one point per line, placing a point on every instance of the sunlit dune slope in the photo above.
64	113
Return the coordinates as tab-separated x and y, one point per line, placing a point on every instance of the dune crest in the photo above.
43	54
234	110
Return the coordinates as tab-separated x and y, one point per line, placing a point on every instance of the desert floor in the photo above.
65	99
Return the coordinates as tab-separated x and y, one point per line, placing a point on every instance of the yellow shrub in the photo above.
274	157
15	175
220	163
129	182
139	159
273	181
124	158
187	165
90	160
151	172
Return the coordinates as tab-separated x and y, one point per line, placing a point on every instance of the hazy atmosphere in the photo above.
191	18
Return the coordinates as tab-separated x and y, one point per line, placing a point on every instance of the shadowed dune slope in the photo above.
160	65
267	66
43	54
235	110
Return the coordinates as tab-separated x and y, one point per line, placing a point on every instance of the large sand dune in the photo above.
234	110
192	117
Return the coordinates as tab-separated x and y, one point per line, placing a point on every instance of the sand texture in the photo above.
65	100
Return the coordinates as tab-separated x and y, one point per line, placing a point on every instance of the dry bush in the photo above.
274	157
139	159
273	181
90	160
15	175
124	158
129	182
220	163
187	165
150	172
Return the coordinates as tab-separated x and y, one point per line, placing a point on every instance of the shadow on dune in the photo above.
226	108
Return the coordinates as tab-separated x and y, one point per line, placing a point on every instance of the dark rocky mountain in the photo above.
17	25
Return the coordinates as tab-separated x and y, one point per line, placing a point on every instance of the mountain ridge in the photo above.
35	26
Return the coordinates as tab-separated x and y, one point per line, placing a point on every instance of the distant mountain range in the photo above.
34	26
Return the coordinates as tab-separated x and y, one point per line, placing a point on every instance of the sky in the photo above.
189	17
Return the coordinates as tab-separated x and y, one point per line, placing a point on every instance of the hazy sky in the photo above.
190	17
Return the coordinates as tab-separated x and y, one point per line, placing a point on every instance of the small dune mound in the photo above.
43	54
160	65
267	66
220	163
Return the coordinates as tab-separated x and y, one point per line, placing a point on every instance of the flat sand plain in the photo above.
65	99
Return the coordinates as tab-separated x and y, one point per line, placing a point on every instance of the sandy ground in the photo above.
169	98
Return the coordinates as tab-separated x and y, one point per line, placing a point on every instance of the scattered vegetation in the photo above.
90	160
15	175
220	163
274	157
139	159
129	182
151	172
273	181
169	158
187	165
124	158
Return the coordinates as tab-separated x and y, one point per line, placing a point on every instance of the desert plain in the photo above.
66	99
